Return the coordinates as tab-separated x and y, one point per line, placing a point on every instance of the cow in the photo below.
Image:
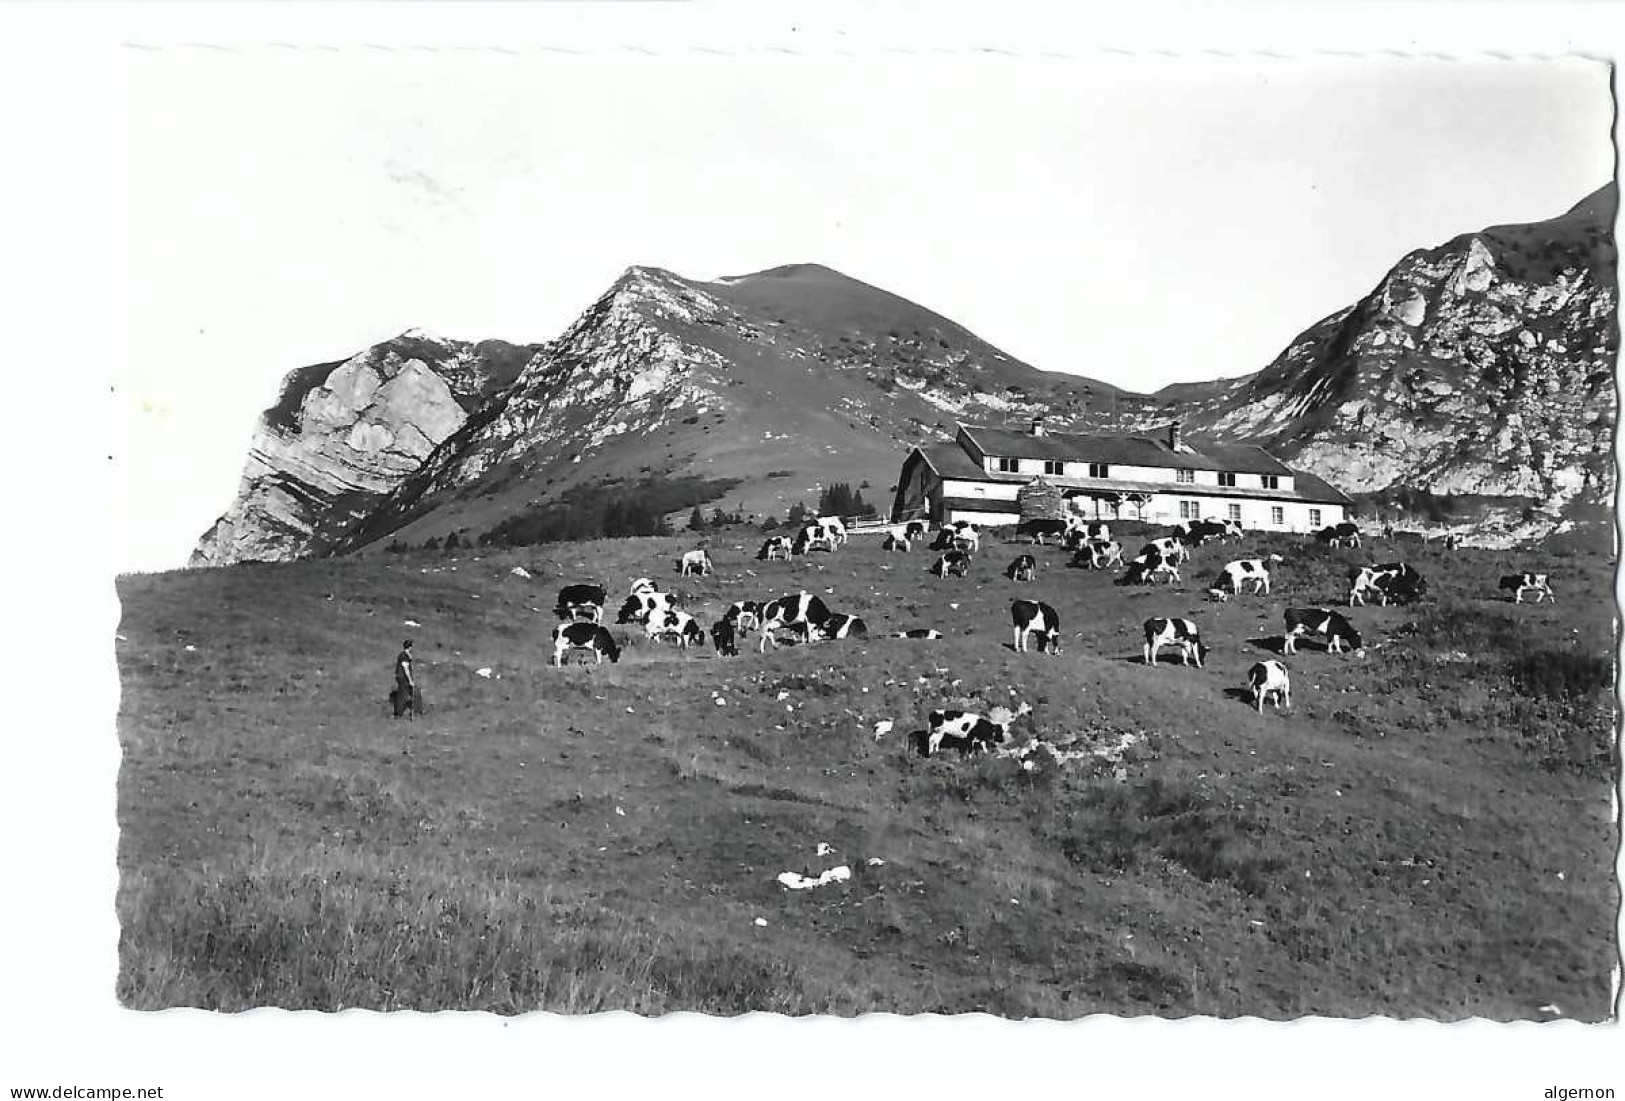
894	542
804	611
811	538
1520	582
638	607
581	601
1095	555
1255	570
1037	528
840	625
1198	532
958	529
833	529
642	585
1345	534
743	615
671	623
1174	632
955	563
967	731
695	562
1172	548
1394	581
1144	568
1034	617
919	632
1233	531
724	638
1024	567
585	636
1336	632
914	530
1079	529
777	546
968	540
1269	678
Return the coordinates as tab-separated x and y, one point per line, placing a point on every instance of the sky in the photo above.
1143	220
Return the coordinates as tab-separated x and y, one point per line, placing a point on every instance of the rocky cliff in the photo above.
343	435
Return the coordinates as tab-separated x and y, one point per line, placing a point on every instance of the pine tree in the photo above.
696	520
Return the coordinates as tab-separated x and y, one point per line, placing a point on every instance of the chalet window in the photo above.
1185	475
1277	515
1009	466
1314	518
1226	478
1235	513
1190	510
1270	481
1054	466
1099	470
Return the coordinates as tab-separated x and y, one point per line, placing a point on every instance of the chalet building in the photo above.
1165	480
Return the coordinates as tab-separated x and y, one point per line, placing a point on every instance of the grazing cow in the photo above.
804	611
671	623
896	543
1334	631
954	562
1233	531
1037	528
778	546
832	529
1394	581
914	529
695	562
1172	549
642	585
840	625
813	537
1345	534
1081	530
919	632
1096	555
639	607
585	636
1145	567
1254	570
1034	617
1198	532
1269	678
967	731
968	541
743	615
1174	632
1520	582
724	638
959	529
1024	567
581	602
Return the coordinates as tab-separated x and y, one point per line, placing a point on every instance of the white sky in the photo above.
1143	220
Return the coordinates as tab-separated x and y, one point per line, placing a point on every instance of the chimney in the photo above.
1173	436
1038	426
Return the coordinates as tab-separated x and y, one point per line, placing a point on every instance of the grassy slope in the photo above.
601	838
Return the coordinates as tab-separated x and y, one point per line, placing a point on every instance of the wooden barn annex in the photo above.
978	476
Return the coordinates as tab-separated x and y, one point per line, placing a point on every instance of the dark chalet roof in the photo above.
1127	450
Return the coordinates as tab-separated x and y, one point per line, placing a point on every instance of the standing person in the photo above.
406	695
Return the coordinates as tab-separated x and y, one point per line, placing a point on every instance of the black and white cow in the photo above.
840	625
1095	555
1077	528
584	636
1024	567
1197	532
1520	583
1334	631
894	542
958	529
803	611
642	585
1254	571
681	626
1346	534
833	529
1172	548
1034	617
967	731
696	562
914	530
725	638
919	632
955	563
581	602
743	615
1174	632
1266	679
814	537
1038	528
777	546
1233	531
1394	581
638	607
1144	568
